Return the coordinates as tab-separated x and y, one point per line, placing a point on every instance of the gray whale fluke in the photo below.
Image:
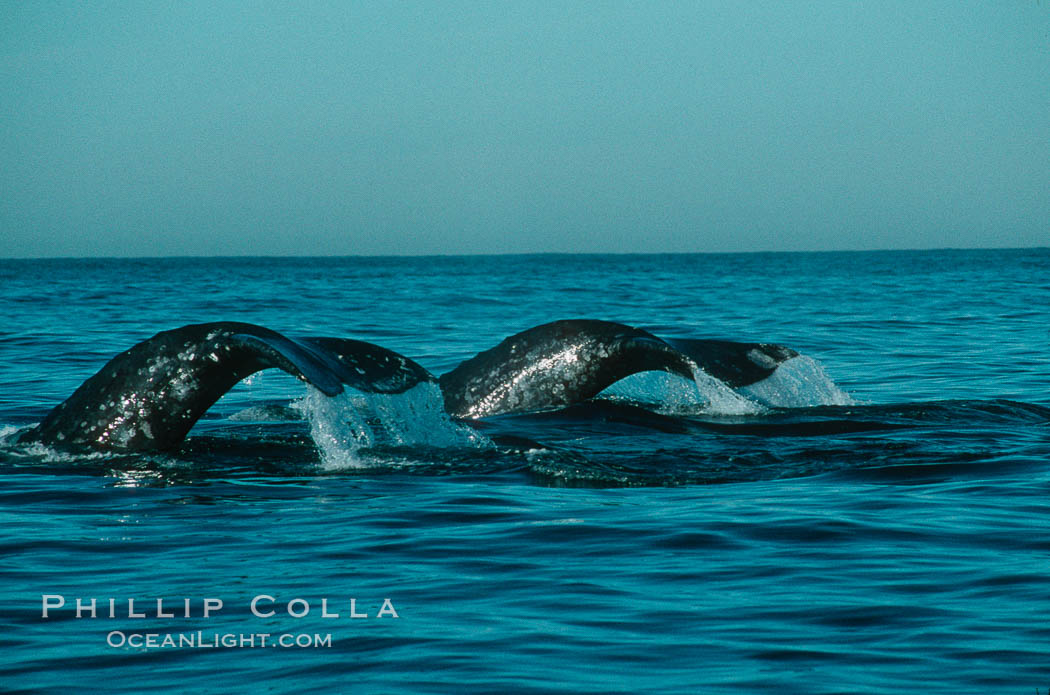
149	396
736	364
569	361
555	364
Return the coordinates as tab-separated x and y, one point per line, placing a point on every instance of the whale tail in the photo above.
736	364
555	364
569	361
149	396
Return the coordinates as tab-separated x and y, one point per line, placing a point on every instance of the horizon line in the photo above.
523	254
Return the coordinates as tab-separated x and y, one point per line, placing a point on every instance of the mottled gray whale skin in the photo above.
555	364
151	395
569	361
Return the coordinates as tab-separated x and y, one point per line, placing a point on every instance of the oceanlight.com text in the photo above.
216	640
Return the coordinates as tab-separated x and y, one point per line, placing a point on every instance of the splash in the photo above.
674	395
350	427
337	428
669	392
8	434
721	399
798	383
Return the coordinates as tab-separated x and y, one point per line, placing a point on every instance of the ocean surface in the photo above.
874	519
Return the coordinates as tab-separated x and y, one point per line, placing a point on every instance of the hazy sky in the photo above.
204	128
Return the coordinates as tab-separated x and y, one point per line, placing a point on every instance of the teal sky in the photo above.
203	128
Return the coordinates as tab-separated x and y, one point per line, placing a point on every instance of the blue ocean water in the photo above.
875	521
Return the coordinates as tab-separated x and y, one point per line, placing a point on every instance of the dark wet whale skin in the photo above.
149	396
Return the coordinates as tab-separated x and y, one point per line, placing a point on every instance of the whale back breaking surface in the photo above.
555	364
149	396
